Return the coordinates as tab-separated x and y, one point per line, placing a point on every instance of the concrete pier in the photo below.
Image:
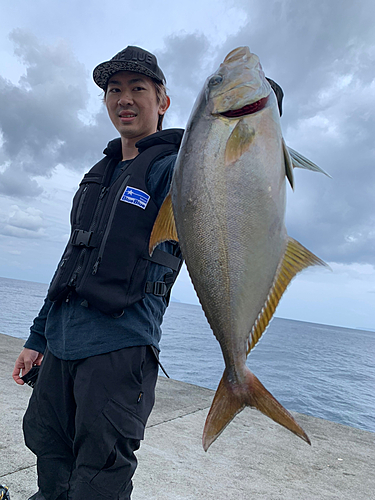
254	458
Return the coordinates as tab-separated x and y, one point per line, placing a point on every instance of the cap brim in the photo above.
103	72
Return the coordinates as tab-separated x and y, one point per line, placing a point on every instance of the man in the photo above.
99	329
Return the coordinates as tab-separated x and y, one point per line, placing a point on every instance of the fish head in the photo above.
239	86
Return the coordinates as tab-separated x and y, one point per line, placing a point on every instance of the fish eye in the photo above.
215	80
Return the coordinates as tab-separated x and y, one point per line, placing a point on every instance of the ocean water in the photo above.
319	370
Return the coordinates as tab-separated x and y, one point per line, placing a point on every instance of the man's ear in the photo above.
164	106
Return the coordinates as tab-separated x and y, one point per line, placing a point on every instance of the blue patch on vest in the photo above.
135	196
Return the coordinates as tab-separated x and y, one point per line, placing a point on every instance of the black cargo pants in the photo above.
86	418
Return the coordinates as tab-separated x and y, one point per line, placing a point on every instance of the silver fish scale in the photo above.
231	254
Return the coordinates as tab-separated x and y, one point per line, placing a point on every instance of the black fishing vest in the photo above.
106	258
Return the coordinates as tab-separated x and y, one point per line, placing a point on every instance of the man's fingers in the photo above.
28	366
23	363
16	374
39	359
18	380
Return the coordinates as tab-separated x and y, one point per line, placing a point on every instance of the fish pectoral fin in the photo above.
239	141
288	165
299	161
296	258
230	399
165	226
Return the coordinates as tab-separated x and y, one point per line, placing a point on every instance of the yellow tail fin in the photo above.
230	399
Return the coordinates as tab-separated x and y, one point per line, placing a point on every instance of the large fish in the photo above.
226	207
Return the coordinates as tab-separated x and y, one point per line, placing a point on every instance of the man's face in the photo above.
132	104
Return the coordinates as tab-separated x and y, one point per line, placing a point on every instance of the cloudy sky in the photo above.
53	125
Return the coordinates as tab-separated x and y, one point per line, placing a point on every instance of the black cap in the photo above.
130	59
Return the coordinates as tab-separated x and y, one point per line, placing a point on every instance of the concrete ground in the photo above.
253	459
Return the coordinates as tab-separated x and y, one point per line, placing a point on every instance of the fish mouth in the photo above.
249	109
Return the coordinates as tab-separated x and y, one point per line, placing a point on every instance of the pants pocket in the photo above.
39	438
124	421
106	458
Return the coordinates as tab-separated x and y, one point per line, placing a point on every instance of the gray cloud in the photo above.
186	62
40	116
323	55
14	181
28	223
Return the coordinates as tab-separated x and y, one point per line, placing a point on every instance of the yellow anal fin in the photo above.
296	258
288	165
164	227
231	398
238	142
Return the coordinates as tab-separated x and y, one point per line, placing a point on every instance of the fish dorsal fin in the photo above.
288	165
296	258
238	142
300	161
165	226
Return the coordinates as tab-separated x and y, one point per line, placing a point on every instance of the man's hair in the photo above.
161	97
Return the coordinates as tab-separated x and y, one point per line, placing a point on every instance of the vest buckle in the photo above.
81	238
158	288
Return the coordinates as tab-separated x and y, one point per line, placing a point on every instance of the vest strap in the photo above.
164	259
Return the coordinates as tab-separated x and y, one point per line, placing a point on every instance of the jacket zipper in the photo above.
73	279
109	224
79	209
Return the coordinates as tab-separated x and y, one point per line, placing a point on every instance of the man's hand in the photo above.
25	361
